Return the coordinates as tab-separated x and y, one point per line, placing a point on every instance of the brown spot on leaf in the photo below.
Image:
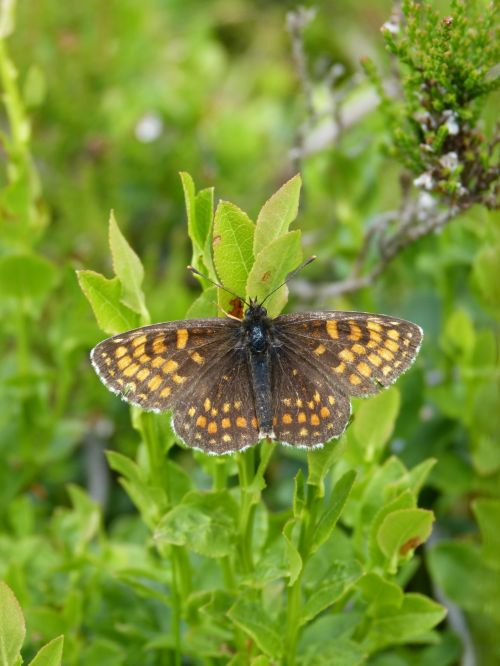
410	545
266	276
216	240
236	309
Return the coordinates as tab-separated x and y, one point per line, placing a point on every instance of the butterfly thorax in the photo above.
257	325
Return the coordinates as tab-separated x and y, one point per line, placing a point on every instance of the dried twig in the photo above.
415	222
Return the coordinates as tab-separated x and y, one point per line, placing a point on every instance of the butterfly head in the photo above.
255	311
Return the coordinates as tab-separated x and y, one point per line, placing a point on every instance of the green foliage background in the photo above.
158	555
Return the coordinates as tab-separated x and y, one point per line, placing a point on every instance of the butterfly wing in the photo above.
320	359
194	368
217	414
152	366
308	408
362	352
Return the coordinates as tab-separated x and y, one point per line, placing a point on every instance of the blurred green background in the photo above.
121	96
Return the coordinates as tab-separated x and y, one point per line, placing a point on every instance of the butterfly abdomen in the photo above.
257	330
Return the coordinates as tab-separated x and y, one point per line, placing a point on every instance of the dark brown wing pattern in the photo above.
217	413
308	409
199	369
362	352
191	367
154	365
322	358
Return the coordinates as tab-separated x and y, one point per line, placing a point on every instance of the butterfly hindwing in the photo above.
309	409
217	414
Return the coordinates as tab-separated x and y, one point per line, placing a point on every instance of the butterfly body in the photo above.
232	382
257	329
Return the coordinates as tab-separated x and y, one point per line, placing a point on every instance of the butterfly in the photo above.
231	382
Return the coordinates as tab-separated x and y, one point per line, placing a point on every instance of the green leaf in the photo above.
190	201
379	591
232	249
12	626
486	275
35	86
251	617
204	522
331	514
341	652
150	500
396	626
402	531
26	277
50	654
104	297
339	580
205	305
299	494
375	421
466	578
379	488
487	512
261	660
291	551
270	269
128	269
320	461
199	209
277	214
406	500
418	474
458	338
328	630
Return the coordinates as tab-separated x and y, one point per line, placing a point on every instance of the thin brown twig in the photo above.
412	227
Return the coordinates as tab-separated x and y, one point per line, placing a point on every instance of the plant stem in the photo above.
156	459
181	570
308	522
246	471
294	604
219	475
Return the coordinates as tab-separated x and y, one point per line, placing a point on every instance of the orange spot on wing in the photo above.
331	329
170	366
159	345
131	370
182	338
155	382
124	362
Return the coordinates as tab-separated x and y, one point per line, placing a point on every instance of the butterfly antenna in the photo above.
291	276
195	271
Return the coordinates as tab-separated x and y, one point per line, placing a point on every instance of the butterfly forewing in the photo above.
361	352
154	366
193	368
